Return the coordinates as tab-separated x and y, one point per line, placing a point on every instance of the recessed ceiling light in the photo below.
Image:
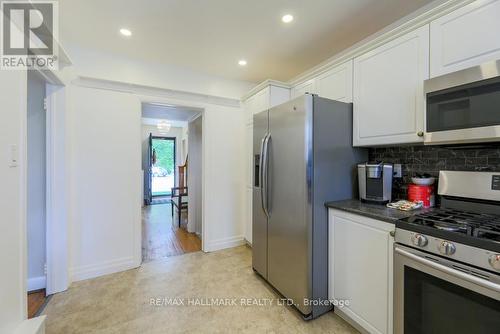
125	32
287	18
242	62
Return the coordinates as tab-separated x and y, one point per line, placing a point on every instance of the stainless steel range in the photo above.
447	260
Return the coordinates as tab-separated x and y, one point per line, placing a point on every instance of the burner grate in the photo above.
478	225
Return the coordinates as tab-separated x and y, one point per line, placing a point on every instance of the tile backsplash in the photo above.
432	159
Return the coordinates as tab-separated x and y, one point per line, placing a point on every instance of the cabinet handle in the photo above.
420	133
392	233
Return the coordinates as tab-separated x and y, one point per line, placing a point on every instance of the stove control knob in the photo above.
419	240
447	248
494	261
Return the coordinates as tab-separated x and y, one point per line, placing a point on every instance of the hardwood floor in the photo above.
161	238
36	300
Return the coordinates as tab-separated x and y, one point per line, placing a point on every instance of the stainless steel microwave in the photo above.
464	106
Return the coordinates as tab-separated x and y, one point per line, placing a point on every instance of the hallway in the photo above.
161	238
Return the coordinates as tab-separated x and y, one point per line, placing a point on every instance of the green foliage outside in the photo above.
164	154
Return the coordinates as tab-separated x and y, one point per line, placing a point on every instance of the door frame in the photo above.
174	139
202	108
57	232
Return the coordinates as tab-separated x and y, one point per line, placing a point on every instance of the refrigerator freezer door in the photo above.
259	219
290	200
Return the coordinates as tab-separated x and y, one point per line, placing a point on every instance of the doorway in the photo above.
168	173
36	193
163	162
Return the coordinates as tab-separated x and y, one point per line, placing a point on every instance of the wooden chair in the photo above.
179	200
180	193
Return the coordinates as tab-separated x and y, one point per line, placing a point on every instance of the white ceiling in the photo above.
211	36
171	113
154	122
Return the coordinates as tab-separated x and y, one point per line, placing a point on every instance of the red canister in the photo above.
425	194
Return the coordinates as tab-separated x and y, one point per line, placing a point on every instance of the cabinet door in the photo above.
262	100
248	222
466	37
249	107
305	87
388	91
278	95
336	84
249	182
360	270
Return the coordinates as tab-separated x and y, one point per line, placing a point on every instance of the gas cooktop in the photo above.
470	223
472	228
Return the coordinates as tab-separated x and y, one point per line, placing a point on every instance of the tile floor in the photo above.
121	303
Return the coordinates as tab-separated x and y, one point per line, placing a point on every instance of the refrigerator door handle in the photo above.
261	173
265	175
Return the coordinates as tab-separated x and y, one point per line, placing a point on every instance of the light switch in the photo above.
13	156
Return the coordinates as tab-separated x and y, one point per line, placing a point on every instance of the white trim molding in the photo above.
105	268
32	326
263	85
224	243
57	243
399	28
136	89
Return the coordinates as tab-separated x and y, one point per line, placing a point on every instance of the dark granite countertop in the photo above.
375	211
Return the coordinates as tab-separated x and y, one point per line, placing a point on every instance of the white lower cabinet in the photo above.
360	270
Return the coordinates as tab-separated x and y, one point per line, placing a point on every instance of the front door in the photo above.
163	165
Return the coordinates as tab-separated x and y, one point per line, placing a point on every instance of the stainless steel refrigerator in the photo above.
303	157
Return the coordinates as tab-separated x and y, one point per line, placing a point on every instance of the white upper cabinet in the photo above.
336	84
466	37
264	99
388	91
304	87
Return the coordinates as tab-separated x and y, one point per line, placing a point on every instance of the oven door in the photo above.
435	295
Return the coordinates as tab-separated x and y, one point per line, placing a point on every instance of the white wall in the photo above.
145	131
224	177
105	130
13	85
116	67
195	211
36	205
184	144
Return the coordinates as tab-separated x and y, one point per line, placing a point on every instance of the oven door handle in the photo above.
470	278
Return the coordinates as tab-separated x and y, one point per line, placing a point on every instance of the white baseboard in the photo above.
224	243
32	326
37	283
104	268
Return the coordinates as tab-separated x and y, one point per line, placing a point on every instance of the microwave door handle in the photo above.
458	274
